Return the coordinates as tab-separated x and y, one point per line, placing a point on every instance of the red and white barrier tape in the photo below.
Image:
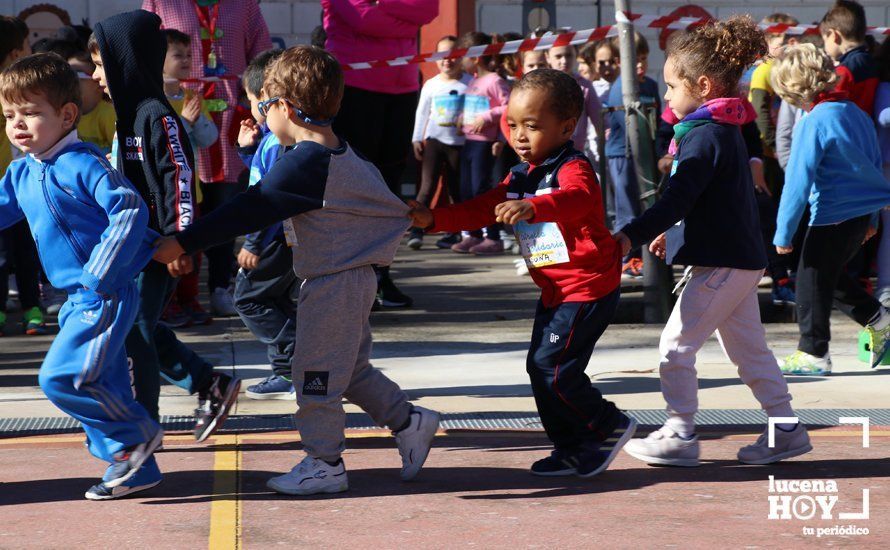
577	38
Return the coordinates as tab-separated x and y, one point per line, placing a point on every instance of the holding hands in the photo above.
510	212
168	250
420	215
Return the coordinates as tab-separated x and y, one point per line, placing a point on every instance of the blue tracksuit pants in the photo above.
85	372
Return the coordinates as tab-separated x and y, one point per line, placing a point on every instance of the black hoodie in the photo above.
152	144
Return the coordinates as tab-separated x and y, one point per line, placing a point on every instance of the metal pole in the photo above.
655	296
599	13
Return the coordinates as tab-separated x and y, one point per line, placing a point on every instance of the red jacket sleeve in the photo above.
579	194
470	215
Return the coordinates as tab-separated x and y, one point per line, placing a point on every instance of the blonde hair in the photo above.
802	73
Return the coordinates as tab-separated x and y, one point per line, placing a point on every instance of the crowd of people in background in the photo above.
769	152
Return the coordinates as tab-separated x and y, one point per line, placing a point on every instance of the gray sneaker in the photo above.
788	444
665	448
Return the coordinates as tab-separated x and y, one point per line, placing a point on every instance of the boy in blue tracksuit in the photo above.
91	230
266	288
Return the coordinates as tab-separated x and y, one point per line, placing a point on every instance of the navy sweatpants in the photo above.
266	300
476	164
85	372
572	410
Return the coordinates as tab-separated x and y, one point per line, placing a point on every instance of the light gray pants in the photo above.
722	300
332	362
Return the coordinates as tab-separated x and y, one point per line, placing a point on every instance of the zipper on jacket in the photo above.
60	221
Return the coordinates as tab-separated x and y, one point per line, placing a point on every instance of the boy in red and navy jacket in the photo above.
554	202
843	30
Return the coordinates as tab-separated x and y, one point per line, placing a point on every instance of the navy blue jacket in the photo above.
708	204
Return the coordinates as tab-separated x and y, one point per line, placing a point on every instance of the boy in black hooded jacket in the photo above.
129	50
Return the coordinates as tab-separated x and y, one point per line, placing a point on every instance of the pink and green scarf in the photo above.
723	110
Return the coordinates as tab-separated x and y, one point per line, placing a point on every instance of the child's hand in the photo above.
191	109
247	259
418	150
784	249
510	212
180	266
420	215
658	246
665	163
249	133
623	242
759	180
478	125
869	233
496	148
167	250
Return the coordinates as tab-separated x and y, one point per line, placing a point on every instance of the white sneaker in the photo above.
414	442
801	363
221	304
311	477
787	445
666	448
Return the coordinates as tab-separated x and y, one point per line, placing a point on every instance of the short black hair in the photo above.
319	37
254	74
564	95
13	33
174	36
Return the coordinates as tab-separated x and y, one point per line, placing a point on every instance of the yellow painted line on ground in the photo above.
225	508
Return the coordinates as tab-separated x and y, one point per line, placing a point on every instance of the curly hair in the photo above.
803	72
720	50
563	93
308	77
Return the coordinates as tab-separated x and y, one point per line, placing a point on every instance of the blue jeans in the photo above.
572	409
476	164
266	301
154	348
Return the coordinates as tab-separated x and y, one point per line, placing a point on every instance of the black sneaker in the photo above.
147	477
593	462
214	404
448	240
559	463
390	297
127	462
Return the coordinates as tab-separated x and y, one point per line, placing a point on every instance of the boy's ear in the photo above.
568	127
69	112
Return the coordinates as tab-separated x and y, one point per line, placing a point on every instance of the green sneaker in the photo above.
878	344
2	323
803	364
34	323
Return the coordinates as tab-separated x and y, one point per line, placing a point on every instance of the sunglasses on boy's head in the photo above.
263	108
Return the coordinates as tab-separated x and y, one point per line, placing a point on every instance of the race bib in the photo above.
541	244
290	235
447	109
474	105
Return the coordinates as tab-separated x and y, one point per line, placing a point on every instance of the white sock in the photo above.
881	319
682	424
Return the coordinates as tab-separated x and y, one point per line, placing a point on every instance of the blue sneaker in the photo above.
783	295
559	463
148	476
128	462
591	463
274	387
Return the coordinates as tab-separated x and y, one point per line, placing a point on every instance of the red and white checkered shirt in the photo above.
245	35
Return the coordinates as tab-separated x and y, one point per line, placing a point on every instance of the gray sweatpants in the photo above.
332	362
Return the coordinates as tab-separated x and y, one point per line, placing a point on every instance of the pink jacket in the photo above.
365	30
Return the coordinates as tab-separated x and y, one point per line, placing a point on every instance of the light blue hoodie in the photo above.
835	164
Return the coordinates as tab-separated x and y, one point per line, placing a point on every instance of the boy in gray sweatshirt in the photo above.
323	190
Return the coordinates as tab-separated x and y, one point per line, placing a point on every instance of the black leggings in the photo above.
221	266
379	126
17	250
823	281
439	159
